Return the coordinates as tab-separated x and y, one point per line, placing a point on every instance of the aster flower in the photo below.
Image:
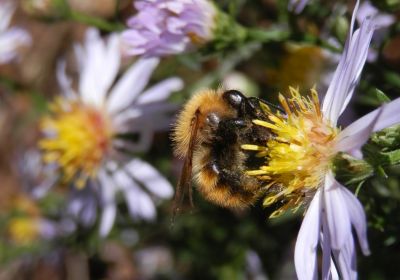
84	132
26	230
28	225
11	38
298	167
165	27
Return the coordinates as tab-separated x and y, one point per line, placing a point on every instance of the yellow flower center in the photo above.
79	138
23	230
298	155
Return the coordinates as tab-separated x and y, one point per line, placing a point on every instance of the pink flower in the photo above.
165	27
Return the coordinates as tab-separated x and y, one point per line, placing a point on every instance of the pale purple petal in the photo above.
357	133
381	19
47	229
357	218
167	27
10	41
7	9
160	91
64	82
83	205
349	69
297	5
346	260
141	145
36	178
305	254
326	250
336	212
131	84
154	112
150	177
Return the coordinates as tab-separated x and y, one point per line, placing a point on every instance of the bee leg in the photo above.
253	106
232	124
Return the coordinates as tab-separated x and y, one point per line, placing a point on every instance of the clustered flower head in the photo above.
27	225
11	38
166	27
298	165
82	133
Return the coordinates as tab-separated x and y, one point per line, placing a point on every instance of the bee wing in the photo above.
184	187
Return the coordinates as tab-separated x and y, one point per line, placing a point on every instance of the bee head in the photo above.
234	98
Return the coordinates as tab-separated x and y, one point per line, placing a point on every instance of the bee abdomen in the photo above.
212	184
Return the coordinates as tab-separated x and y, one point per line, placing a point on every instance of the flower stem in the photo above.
95	21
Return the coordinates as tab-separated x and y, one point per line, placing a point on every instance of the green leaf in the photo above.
381	96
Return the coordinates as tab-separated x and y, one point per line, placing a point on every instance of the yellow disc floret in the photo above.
299	155
77	139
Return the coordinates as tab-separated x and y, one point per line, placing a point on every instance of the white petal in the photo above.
150	177
139	203
131	84
146	206
92	68
99	63
160	91
107	218
357	218
112	59
102	65
305	253
336	212
357	133
349	69
108	215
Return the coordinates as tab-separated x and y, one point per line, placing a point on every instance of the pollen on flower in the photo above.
299	154
77	138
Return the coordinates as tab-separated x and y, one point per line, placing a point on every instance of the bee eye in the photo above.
234	98
213	119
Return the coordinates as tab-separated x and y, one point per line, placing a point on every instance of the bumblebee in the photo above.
208	136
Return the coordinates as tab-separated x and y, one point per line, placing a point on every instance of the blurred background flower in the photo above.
166	27
83	135
11	38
